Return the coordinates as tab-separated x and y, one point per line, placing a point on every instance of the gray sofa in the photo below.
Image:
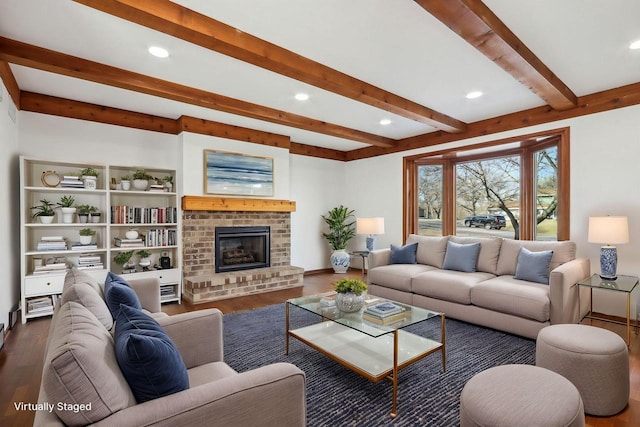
490	296
81	368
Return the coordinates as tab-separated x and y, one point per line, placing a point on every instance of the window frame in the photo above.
448	158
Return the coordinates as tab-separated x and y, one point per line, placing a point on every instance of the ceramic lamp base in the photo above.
608	262
371	243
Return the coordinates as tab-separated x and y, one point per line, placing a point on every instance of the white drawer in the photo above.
36	285
165	276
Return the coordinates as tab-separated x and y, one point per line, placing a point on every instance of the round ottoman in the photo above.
595	360
520	395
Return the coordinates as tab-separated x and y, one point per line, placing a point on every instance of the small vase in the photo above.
140	184
85	240
349	302
83	218
131	234
126	185
90	182
340	261
67	215
95	217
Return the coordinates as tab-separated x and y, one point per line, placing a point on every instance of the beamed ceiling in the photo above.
234	67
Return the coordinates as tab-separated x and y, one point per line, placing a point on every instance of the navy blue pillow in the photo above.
461	257
117	291
148	359
404	254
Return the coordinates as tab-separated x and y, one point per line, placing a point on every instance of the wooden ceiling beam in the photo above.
479	26
319	152
222	130
191	26
6	75
27	55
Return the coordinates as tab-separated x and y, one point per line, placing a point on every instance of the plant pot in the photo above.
126	185
340	261
349	302
83	218
46	219
90	182
96	216
168	187
67	215
144	262
140	184
85	240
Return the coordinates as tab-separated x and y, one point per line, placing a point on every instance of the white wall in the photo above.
605	150
10	198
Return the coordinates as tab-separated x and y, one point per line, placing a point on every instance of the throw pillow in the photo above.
461	257
116	292
86	295
404	254
533	266
149	360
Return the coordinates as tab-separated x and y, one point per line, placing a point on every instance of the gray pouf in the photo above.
520	395
595	360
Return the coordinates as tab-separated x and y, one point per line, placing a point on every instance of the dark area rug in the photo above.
337	396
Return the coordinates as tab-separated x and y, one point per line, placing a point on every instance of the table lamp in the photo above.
610	230
371	227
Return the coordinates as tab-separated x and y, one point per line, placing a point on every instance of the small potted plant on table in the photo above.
350	294
124	259
84	211
145	261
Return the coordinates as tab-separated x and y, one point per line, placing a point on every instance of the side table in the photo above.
364	255
622	283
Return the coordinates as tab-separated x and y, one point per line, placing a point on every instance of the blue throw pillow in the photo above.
404	254
533	266
148	359
117	291
461	257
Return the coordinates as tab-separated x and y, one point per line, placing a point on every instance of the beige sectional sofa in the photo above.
82	382
489	296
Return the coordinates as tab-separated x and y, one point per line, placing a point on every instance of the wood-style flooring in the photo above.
21	357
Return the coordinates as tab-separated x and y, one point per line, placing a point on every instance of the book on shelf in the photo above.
387	319
71	181
52	243
384	309
77	246
51	238
128	243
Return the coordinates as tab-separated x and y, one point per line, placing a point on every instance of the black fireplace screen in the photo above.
242	248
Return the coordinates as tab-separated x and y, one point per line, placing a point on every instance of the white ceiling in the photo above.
393	44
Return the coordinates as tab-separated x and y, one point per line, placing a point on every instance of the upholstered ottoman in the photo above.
595	360
520	395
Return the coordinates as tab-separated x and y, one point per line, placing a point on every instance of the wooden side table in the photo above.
624	284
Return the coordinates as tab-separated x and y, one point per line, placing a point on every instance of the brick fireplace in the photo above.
201	216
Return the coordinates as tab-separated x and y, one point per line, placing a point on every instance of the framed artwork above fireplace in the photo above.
237	174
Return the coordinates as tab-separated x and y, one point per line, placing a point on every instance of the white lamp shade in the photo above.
370	226
610	230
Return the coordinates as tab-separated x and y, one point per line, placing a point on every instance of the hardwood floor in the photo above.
21	357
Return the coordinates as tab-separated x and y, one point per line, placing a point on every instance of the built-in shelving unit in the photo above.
47	248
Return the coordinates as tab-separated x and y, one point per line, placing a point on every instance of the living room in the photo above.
604	149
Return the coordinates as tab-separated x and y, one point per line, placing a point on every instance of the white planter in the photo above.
349	302
140	184
83	218
46	219
340	261
67	215
85	240
90	182
96	217
126	185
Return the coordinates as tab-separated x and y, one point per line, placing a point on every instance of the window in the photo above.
516	188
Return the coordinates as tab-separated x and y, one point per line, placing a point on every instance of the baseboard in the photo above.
320	271
1	335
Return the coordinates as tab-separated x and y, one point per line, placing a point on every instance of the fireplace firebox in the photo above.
241	248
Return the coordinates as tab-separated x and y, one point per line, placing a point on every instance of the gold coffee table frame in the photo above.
369	349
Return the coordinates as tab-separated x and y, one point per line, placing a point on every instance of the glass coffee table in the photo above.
375	351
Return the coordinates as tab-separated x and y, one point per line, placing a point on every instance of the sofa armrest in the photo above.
379	257
197	335
563	290
273	395
148	291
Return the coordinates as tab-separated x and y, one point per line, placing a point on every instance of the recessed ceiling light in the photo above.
474	94
635	45
301	96
385	122
158	51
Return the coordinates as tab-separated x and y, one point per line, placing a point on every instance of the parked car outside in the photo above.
496	222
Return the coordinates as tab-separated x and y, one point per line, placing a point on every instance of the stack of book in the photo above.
167	292
52	243
384	313
77	246
51	268
158	188
41	304
89	262
128	243
71	181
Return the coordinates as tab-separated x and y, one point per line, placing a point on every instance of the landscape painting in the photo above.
237	174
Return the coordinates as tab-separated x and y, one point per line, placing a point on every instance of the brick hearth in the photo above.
201	283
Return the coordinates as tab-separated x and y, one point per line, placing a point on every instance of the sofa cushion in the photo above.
78	276
397	276
448	285
80	367
116	292
511	296
148	358
489	251
403	254
508	260
461	257
431	250
86	295
533	266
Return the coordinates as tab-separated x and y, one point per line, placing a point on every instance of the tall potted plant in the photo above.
342	228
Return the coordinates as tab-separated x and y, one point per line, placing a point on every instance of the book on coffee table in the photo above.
384	309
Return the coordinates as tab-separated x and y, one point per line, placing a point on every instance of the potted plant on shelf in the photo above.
85	235
125	182
84	211
145	261
350	294
66	205
44	211
124	259
89	177
341	229
141	179
168	183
